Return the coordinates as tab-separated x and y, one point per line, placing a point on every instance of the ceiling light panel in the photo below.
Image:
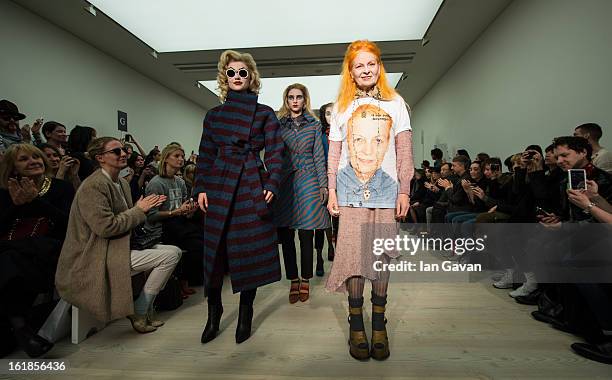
323	89
186	25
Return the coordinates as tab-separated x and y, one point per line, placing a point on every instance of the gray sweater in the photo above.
176	191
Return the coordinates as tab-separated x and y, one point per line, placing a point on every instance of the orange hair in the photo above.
347	84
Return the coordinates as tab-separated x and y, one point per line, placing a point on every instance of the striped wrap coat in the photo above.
304	173
232	174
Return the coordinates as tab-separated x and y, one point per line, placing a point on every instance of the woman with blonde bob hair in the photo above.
170	221
303	195
239	234
369	171
33	218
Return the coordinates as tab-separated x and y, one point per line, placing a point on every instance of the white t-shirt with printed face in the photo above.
367	172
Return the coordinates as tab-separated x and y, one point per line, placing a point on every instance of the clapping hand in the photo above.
150	201
445	183
22	191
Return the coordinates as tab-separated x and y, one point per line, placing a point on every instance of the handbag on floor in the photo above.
170	298
141	239
59	322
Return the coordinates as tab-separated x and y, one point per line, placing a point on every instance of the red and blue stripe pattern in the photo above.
233	176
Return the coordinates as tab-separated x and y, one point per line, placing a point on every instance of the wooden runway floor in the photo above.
437	330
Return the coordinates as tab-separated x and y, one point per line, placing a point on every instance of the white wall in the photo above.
50	73
539	70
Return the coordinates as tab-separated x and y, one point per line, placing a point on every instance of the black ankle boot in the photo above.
320	271
33	344
380	340
245	319
330	253
212	325
358	340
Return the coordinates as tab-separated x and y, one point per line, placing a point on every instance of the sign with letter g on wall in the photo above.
122	121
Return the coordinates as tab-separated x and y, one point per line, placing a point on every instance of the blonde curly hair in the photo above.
234	56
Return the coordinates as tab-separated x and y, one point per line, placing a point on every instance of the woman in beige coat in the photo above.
96	262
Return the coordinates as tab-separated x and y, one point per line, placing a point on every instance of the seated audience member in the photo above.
65	168
189	177
575	153
461	198
550	163
55	134
463	152
496	194
585	308
96	263
425	164
78	141
435	213
601	157
141	175
417	192
482	157
436	156
170	221
592	202
153	158
10	133
432	194
34	214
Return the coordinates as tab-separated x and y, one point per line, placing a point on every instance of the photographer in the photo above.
78	141
129	139
66	167
575	153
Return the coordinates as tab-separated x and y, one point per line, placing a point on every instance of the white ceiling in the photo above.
455	26
188	25
323	89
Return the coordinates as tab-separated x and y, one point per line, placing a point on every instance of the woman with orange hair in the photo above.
369	172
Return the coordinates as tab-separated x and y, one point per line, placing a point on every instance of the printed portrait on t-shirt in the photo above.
367	170
368	134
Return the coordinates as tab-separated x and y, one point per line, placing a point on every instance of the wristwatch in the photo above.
589	207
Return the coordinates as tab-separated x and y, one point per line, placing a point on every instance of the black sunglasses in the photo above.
243	73
116	151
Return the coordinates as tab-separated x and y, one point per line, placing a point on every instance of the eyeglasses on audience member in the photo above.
116	151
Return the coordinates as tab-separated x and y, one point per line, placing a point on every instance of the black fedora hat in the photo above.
9	108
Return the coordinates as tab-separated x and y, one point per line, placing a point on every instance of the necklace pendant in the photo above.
366	194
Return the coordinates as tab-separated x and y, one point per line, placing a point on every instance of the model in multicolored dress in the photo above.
303	190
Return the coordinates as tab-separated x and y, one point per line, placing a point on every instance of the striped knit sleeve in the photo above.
318	154
333	160
274	146
206	156
405	163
